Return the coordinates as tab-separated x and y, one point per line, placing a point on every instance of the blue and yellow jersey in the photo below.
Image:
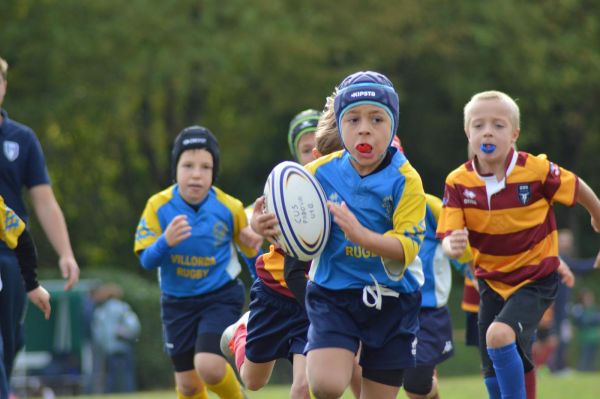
436	266
11	226
391	202
207	260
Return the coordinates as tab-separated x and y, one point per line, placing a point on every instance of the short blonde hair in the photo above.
515	117
327	137
3	68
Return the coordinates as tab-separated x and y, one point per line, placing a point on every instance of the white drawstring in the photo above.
376	292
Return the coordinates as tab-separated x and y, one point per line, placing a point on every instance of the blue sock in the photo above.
509	371
491	383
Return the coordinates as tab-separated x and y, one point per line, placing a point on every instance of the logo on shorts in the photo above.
447	347
413	350
11	150
524	193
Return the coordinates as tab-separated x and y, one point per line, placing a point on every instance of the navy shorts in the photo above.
434	338
184	319
340	319
523	311
277	327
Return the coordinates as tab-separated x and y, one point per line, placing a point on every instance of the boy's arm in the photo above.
382	245
294	272
53	222
265	224
567	276
27	257
178	230
589	200
455	244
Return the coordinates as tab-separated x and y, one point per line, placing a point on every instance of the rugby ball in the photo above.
299	202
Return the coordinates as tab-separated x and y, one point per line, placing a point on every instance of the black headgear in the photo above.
195	137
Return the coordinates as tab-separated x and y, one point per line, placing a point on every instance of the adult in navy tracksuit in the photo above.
22	165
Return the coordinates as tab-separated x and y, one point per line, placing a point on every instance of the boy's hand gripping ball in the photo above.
299	203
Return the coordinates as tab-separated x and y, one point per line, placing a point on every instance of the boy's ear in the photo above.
515	135
316	154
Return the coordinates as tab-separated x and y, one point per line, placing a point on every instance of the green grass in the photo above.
575	385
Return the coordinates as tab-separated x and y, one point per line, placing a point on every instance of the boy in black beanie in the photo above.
188	231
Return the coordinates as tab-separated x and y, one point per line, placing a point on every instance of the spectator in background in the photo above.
587	319
115	328
567	252
22	166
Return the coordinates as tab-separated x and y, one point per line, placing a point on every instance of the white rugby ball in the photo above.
299	202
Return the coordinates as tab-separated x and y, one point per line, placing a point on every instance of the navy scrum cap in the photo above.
367	87
195	137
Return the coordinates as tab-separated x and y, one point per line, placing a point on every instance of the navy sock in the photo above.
509	371
491	383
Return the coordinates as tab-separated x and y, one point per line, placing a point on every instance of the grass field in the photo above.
575	385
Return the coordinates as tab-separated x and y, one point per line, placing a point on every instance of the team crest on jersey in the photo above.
220	233
524	193
388	204
11	150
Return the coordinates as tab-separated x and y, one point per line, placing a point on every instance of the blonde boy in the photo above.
501	203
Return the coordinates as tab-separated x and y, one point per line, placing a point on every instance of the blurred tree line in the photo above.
108	84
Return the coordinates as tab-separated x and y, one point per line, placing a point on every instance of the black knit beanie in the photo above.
195	137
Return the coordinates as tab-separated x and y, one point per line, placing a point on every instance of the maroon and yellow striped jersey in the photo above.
269	268
511	223
470	301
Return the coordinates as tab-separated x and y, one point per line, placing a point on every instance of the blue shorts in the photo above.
340	319
434	339
277	327
184	319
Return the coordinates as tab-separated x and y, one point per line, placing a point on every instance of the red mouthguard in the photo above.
364	148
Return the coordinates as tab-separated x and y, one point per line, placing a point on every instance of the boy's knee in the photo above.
327	392
325	387
187	388
499	334
299	390
252	382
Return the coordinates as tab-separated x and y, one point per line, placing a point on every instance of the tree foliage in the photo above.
108	84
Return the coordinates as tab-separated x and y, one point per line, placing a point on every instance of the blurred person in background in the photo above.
22	165
562	325
115	329
586	315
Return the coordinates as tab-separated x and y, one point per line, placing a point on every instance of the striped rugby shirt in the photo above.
511	224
